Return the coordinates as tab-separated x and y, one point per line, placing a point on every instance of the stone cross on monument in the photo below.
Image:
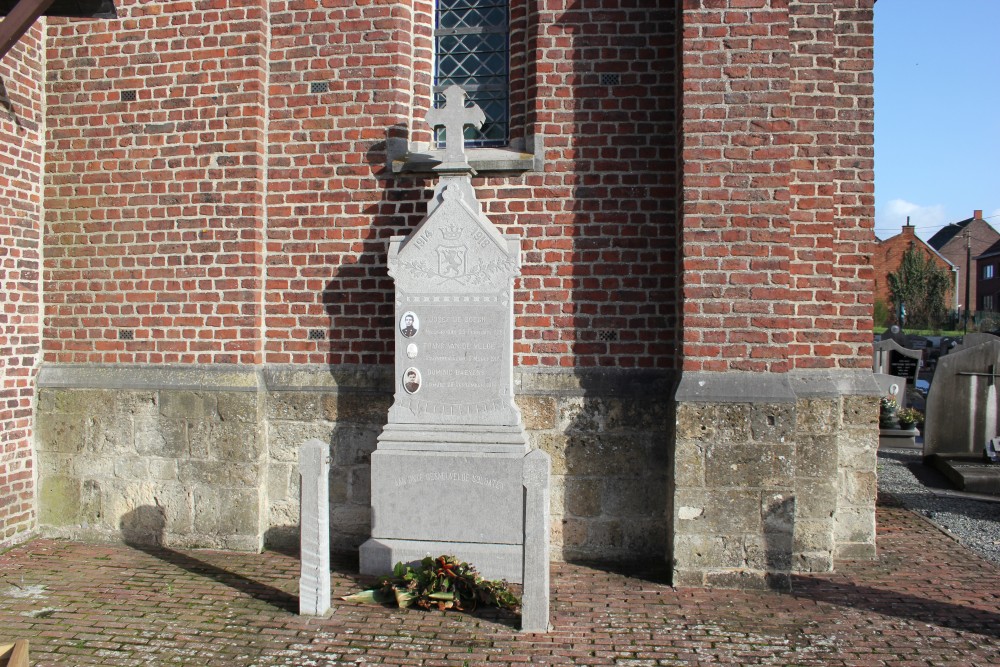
454	116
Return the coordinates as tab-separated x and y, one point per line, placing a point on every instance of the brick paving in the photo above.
926	600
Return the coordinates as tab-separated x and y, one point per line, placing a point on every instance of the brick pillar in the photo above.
761	446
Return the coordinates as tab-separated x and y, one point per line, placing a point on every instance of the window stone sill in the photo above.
483	160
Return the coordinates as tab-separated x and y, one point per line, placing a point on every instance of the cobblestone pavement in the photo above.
926	600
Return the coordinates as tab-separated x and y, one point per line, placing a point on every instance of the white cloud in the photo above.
992	217
890	219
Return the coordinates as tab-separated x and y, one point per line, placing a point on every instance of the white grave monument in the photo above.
453	473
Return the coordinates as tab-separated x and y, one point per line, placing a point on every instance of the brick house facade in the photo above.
889	253
960	242
693	183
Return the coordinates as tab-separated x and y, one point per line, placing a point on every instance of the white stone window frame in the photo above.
417	154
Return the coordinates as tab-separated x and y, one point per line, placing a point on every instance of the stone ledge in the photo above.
323	378
744	387
586	382
138	377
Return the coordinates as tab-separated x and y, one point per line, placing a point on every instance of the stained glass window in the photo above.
471	41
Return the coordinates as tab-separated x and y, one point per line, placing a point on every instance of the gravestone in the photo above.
962	417
973	340
891	358
314	528
452	473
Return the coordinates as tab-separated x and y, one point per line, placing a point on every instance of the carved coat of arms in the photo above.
451	261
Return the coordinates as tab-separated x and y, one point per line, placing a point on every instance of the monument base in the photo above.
898	438
492	561
972	474
470	505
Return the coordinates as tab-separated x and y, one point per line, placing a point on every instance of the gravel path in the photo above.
972	520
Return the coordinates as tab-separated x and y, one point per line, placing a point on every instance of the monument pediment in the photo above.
453	251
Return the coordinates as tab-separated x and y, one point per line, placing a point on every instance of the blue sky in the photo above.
937	113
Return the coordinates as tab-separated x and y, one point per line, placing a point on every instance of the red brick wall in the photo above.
157	207
854	179
778	185
20	254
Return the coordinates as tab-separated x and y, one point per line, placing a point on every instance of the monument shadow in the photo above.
144	528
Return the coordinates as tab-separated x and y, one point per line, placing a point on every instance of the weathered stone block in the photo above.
538	412
279	482
753	466
814	536
110	435
861	410
339	485
696	421
772	423
707	551
242	407
717	511
189	405
854	525
356	407
588	455
167	438
817	416
639	413
644	537
61	433
353	445
360	492
234	441
285	438
689	465
240	513
132	468
293	405
581	414
574	534
858	451
583	497
778	512
733	423
219	474
858	488
816	456
90	502
815	498
56	464
605	536
643	497
855	551
553	444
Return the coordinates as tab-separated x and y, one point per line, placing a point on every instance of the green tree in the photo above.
920	286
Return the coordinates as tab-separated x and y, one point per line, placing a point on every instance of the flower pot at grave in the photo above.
888	418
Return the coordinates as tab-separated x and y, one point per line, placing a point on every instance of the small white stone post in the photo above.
314	528
535	595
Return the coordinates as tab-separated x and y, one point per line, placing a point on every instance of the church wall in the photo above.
693	190
21	126
181	252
